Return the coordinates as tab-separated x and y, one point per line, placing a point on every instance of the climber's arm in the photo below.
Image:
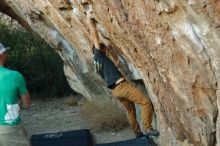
93	31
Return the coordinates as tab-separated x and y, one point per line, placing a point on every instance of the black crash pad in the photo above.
143	141
69	138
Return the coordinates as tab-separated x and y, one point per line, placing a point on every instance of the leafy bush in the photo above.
36	60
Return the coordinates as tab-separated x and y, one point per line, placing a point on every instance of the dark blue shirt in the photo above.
105	67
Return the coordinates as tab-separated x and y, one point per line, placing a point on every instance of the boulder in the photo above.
172	45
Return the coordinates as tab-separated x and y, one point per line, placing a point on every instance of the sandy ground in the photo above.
52	115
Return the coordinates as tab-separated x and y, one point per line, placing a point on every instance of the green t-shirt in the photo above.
12	86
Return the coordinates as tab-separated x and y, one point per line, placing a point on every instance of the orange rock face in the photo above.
173	45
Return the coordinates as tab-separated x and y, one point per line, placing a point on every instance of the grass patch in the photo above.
101	115
71	101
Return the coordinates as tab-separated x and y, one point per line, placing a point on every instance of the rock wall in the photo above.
5	19
173	45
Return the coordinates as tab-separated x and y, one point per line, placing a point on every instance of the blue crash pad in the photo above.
69	138
143	141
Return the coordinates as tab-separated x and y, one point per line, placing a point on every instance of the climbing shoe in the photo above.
151	132
139	135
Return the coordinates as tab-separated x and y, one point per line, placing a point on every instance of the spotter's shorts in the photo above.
13	136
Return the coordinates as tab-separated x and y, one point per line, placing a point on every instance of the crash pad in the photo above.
69	138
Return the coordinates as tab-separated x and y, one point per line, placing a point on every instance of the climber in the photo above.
126	93
12	87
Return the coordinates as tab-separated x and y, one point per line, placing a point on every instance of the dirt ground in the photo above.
52	115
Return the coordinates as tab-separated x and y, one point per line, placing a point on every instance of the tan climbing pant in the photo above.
13	136
128	94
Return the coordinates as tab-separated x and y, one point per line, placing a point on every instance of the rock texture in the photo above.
173	45
4	19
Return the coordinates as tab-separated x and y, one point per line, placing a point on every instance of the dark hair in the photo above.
102	47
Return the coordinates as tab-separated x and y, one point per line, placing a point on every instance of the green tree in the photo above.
36	60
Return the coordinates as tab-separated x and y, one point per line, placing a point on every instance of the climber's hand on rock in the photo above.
84	1
89	15
87	7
